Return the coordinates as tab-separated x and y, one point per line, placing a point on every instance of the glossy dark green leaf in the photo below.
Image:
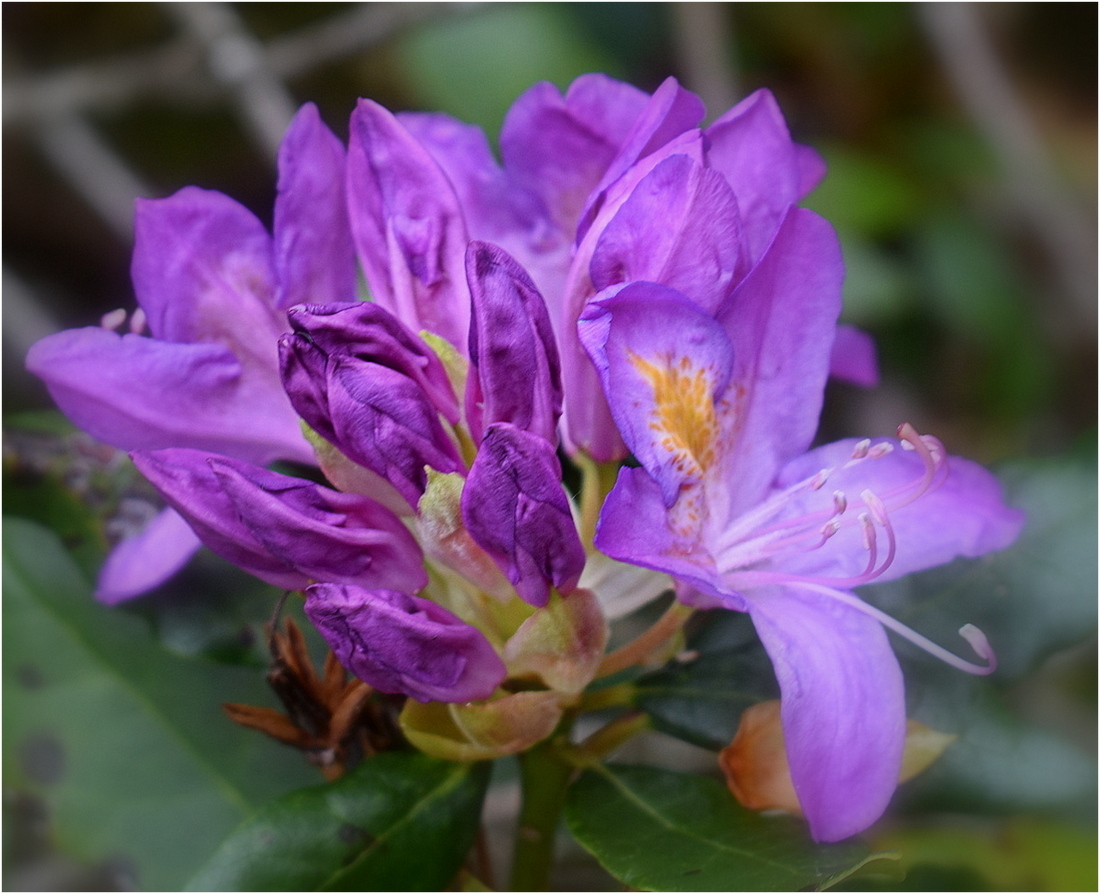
700	696
659	830
125	743
400	822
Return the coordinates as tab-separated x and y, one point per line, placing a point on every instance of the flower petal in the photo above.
679	227
404	644
843	707
670	112
559	147
513	353
495	208
383	421
664	364
202	272
589	425
516	510
854	358
751	146
138	393
634	528
314	254
408	225
965	515
781	321
147	559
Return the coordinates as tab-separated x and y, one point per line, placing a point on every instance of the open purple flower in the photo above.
212	286
720	408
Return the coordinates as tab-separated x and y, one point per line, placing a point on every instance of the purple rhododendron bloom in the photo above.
720	408
624	282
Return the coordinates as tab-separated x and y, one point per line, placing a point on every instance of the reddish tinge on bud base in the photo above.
758	773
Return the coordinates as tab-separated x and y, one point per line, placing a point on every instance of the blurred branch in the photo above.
703	41
966	52
176	70
236	58
93	169
366	25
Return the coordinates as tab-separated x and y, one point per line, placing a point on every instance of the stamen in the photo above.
880	450
969	632
840	502
870	543
878	512
861	448
113	318
138	321
818	481
874	504
980	644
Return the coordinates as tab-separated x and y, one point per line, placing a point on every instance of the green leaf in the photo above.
401	821
124	742
700	697
658	830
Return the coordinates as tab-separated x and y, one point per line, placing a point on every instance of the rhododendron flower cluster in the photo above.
626	283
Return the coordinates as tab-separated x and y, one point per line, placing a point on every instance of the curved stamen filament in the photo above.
749	539
969	632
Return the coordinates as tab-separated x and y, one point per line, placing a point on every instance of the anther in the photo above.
867	528
840	502
818	481
980	644
881	449
830	528
875	505
138	321
113	319
861	448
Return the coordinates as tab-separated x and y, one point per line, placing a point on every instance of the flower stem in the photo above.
544	777
638	650
597	479
605	740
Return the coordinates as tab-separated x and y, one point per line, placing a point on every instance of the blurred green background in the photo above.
962	151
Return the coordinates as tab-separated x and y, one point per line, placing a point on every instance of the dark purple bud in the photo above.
384	422
374	390
516	510
514	357
286	531
369	332
404	644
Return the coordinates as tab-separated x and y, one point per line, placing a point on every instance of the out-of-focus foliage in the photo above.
980	342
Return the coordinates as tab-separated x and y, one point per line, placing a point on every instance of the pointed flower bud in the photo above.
515	359
404	644
373	389
286	531
515	508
